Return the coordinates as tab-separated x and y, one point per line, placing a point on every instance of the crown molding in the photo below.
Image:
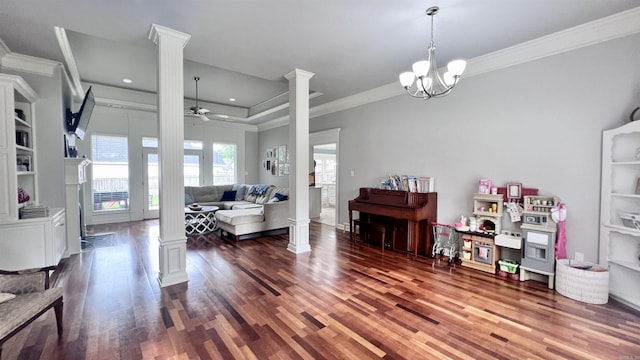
591	33
29	64
21	86
130	105
69	59
608	28
120	104
4	49
275	123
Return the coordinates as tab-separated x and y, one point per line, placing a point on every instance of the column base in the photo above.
299	236
173	267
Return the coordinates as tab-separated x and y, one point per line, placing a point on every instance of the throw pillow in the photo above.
188	199
281	197
240	190
272	200
6	297
228	195
259	189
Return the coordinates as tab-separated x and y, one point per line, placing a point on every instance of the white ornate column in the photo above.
172	239
299	160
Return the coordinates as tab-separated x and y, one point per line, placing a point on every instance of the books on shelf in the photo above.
408	183
31	212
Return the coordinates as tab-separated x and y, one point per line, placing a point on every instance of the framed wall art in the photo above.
514	191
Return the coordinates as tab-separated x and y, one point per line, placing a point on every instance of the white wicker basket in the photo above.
583	285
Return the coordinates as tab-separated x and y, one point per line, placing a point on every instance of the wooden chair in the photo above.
33	297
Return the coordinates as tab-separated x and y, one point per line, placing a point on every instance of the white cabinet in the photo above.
620	201
24	243
33	243
17	151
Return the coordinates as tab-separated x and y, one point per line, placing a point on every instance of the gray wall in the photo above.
538	123
268	140
252	158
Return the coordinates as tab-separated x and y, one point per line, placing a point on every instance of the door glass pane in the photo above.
224	164
153	187
191	170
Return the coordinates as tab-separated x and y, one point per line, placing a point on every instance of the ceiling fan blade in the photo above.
202	111
202	117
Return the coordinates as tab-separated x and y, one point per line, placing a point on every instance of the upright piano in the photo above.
411	213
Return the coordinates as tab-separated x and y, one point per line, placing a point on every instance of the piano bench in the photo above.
364	229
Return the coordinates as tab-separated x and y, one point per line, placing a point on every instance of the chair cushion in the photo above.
16	312
22	284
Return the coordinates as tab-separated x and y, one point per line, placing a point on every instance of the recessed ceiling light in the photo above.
232	99
127	81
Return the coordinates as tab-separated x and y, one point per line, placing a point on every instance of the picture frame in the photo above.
514	191
638	186
484	186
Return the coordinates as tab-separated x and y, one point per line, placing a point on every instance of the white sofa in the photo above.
256	211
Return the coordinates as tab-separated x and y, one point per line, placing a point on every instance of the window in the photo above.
110	185
224	164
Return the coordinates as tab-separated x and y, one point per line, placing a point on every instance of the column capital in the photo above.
299	73
158	31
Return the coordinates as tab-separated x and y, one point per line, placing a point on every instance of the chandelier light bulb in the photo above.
421	68
449	78
456	67
406	79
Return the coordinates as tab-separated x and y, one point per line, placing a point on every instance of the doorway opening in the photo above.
325	159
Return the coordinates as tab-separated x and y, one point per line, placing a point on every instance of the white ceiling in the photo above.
242	48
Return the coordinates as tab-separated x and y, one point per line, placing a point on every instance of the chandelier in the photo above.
425	81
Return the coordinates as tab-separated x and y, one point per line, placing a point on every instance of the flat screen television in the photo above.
77	122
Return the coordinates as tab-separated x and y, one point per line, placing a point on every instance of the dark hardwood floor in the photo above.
255	300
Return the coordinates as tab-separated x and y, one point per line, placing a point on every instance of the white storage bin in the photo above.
583	285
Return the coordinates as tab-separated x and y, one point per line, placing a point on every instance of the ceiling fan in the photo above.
197	110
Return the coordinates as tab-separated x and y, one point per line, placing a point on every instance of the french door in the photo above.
150	167
192	177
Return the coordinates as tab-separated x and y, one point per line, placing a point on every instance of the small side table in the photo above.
201	221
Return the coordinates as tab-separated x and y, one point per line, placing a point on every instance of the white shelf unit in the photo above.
620	194
17	145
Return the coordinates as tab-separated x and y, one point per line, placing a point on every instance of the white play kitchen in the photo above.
518	234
